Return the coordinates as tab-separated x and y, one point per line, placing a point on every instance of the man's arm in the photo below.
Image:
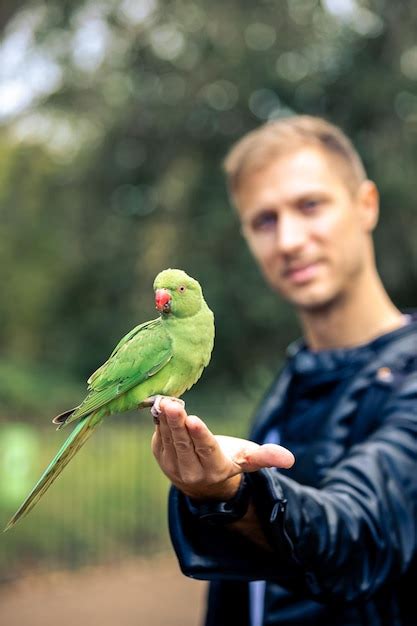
343	540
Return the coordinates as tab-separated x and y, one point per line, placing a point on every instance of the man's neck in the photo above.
353	320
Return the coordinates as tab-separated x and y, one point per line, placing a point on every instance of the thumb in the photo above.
267	455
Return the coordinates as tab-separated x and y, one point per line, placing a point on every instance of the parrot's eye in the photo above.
181	289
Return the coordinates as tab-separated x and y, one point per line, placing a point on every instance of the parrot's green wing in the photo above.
146	326
139	355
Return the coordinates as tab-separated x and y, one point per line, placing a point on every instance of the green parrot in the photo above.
162	357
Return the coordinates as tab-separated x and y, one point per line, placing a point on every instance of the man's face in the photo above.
307	232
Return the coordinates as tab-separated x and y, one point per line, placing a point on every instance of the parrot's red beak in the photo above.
163	300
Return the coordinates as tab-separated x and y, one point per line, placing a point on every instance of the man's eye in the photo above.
309	205
265	221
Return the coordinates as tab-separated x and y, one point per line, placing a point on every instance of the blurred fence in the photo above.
109	504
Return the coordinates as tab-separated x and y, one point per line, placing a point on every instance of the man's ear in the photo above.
368	204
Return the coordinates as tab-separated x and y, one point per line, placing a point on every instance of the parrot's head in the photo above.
177	294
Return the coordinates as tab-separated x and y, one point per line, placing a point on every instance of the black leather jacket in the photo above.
343	521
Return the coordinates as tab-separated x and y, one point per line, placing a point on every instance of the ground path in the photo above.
146	592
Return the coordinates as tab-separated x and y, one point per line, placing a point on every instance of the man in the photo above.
335	536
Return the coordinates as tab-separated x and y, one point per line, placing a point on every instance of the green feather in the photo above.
139	355
146	326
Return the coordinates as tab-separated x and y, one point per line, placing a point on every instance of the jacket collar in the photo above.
391	350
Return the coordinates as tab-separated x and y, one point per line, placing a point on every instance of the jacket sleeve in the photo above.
343	540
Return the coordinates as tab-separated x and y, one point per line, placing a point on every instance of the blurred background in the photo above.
115	116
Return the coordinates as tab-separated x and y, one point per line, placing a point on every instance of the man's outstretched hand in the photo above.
203	465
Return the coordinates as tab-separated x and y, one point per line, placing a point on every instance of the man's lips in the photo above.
301	273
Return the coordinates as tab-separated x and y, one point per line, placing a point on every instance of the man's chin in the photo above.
315	308
313	297
313	302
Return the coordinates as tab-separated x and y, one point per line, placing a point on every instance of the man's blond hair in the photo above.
281	137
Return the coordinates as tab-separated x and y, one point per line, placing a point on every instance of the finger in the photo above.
165	449
267	455
221	474
156	444
165	433
276	456
173	421
205	443
174	417
165	430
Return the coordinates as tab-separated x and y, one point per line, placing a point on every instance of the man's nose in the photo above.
291	234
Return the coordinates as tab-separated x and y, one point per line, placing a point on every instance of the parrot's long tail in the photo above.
70	447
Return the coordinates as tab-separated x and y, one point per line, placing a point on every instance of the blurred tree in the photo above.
7	9
116	117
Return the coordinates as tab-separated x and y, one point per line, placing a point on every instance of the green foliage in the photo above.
33	390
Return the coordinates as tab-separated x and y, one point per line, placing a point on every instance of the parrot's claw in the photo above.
156	409
155	401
